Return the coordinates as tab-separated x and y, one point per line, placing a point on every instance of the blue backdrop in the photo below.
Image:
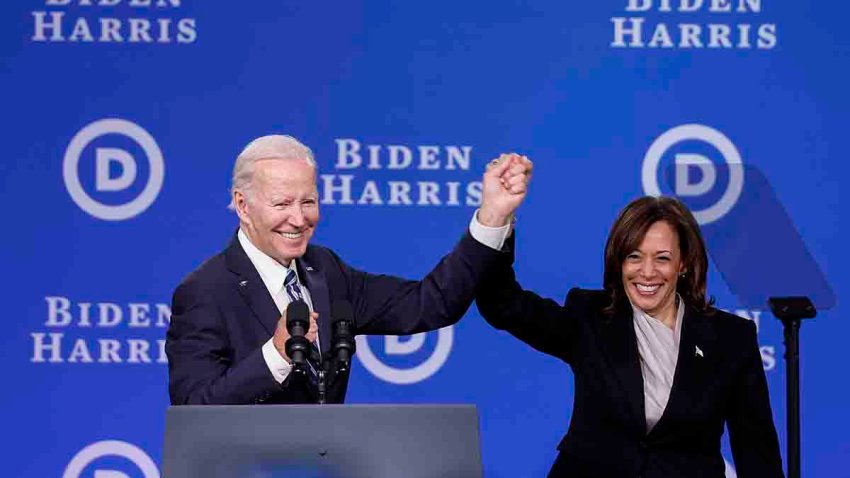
122	119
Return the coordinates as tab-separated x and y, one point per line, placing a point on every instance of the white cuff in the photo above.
278	366
492	237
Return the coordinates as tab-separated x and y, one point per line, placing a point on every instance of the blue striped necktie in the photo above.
293	291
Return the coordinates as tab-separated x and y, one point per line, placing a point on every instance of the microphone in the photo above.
297	324
342	334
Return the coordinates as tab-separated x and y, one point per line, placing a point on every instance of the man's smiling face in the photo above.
280	208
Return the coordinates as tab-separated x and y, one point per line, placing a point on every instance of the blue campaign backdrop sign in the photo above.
122	119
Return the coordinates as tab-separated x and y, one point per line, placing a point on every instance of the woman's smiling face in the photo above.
651	272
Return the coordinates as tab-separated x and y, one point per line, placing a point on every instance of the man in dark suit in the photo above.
226	341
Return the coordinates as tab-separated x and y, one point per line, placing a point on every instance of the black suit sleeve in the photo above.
390	305
200	359
752	434
539	322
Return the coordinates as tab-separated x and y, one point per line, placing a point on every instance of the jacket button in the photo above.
642	445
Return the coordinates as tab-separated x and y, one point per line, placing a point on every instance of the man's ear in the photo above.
241	203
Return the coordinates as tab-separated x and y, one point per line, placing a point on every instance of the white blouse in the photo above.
658	347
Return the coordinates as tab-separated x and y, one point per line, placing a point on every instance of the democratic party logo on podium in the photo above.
113	456
110	187
408	352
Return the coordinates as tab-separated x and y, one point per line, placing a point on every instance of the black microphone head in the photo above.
342	333
297	315
341	310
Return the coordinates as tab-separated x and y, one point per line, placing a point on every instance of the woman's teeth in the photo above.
647	288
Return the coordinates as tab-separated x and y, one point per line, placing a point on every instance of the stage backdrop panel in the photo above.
122	119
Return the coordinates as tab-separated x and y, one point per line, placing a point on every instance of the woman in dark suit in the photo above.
658	370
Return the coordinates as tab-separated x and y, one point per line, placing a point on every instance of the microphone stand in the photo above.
327	378
342	348
338	368
322	386
791	311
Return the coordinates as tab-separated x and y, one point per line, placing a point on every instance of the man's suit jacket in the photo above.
723	383
222	314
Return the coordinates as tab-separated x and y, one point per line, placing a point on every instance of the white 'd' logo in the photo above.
104	157
110	448
393	346
683	187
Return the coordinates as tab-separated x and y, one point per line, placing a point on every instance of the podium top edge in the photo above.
330	406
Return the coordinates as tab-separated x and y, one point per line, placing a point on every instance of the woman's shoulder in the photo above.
730	325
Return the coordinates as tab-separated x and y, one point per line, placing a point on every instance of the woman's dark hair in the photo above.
628	232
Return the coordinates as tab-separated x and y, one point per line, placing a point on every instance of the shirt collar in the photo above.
272	272
680	314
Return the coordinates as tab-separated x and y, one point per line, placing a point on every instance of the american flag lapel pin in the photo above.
698	351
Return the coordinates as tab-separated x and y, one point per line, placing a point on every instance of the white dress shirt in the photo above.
492	237
273	274
658	346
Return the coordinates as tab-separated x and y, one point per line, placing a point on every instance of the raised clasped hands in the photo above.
504	188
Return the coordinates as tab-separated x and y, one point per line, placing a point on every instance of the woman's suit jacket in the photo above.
719	380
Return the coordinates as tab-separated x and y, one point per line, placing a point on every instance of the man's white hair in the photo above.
274	146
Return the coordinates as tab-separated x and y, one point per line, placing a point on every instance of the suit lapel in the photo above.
314	280
247	281
621	350
695	343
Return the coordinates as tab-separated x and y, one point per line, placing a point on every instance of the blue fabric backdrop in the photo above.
122	119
